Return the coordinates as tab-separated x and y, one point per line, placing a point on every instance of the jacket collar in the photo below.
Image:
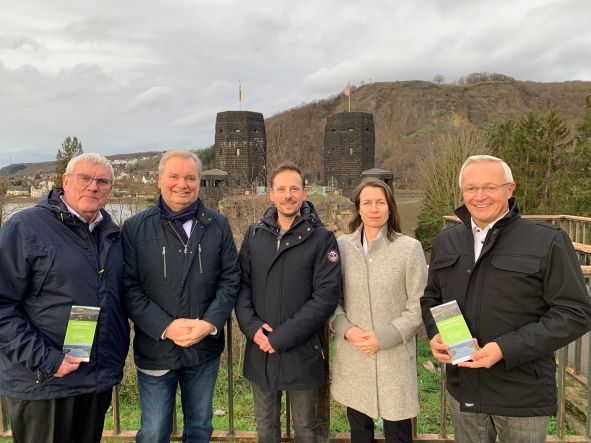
380	238
204	214
55	204
464	215
307	213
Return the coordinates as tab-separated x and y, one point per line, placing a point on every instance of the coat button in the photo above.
286	243
308	229
299	237
468	271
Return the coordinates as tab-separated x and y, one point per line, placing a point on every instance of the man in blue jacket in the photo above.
66	251
290	286
181	282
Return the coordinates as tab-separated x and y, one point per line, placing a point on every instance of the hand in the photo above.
369	343
178	328
261	339
69	365
439	349
355	335
486	357
198	330
365	342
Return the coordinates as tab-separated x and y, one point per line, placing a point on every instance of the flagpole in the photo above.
349	86
240	95
349	101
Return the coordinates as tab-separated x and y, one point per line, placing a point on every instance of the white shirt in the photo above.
480	235
92	224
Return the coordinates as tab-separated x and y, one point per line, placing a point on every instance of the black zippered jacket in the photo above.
294	285
164	281
48	263
526	292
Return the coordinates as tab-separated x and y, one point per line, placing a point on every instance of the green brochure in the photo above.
454	331
80	332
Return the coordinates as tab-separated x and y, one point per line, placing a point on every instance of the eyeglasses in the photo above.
487	189
86	180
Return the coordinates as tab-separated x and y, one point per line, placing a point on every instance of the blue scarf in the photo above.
179	218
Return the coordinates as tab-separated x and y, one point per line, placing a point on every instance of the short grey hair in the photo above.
486	158
183	153
92	157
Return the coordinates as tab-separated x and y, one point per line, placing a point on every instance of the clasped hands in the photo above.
186	332
365	342
484	357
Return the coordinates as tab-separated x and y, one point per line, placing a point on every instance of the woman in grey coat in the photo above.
384	274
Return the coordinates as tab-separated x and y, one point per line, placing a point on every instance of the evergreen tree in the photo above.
573	186
71	147
536	148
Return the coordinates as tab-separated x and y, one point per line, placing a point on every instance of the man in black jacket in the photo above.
64	252
520	288
181	282
290	286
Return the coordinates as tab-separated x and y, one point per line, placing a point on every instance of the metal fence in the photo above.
570	371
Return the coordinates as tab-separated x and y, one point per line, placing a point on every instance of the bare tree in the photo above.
439	79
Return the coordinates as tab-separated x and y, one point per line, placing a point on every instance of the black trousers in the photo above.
362	429
77	419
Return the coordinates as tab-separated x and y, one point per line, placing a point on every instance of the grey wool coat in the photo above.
381	292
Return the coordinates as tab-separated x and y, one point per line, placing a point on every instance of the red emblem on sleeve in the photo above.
333	256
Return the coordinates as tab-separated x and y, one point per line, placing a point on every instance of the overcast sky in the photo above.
126	76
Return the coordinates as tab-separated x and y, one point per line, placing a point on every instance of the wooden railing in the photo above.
574	370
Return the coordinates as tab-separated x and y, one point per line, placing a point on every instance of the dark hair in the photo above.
393	218
286	166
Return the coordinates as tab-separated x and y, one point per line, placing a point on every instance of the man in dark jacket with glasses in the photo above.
519	286
64	252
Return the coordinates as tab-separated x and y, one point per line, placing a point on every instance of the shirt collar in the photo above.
487	228
92	224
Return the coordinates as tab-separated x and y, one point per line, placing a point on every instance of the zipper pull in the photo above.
164	259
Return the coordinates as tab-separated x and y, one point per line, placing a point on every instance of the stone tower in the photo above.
349	149
241	148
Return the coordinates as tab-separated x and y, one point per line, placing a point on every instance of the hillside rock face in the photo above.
409	117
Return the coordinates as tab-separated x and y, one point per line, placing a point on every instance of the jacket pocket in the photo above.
443	261
41	266
523	265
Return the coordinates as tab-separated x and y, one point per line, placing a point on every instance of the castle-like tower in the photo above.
241	148
349	149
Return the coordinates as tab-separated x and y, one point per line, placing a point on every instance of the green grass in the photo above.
427	422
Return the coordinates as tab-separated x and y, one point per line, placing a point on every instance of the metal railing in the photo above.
568	371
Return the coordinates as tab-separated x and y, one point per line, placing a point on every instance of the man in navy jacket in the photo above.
65	251
181	283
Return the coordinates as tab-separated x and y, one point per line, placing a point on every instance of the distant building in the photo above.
382	174
241	148
20	191
349	149
39	190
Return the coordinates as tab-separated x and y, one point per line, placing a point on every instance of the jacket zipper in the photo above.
164	259
200	266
